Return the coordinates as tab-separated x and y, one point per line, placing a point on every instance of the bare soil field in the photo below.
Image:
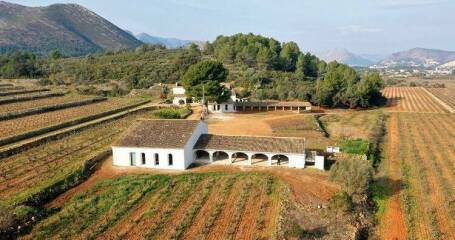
21	125
222	206
20	106
411	99
30	172
421	163
447	95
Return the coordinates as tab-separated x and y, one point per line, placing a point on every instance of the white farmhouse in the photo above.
164	144
176	144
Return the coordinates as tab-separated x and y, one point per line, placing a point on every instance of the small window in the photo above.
132	158
226	107
143	159
218	107
157	159
171	160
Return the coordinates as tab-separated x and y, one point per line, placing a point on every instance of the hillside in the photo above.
167	42
346	57
419	57
70	28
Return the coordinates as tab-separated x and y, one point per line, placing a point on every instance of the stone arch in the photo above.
280	159
239	156
202	155
220	156
259	158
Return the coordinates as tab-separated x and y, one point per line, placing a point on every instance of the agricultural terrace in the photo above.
411	99
420	164
22	125
188	206
32	171
20	106
447	95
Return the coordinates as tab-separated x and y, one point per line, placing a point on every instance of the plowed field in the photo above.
411	99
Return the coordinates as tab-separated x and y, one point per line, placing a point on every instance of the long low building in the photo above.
176	144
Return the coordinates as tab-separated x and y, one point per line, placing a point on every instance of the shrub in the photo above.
341	201
172	113
354	175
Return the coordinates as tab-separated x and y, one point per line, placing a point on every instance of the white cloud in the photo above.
345	30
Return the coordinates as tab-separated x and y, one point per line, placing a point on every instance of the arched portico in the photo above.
202	155
239	156
279	159
220	156
259	158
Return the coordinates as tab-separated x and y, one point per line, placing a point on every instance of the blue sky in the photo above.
362	26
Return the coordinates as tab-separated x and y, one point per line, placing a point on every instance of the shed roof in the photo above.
273	104
251	144
158	134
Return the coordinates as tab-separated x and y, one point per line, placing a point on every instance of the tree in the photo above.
54	55
207	74
289	55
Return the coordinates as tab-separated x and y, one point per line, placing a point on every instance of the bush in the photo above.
354	175
168	113
341	201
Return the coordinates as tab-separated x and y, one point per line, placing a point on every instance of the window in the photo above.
226	107
218	107
132	158
157	159
143	158
171	161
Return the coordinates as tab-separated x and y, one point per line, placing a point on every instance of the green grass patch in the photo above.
172	113
380	190
357	146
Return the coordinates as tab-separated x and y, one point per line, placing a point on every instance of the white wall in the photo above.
230	108
176	100
320	162
121	157
202	128
178	90
296	160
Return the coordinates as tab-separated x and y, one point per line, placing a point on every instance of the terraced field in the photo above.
20	106
421	160
411	99
22	125
30	172
188	206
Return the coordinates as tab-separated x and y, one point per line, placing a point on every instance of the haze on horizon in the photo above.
369	27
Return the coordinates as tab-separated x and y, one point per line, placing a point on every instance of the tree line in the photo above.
258	67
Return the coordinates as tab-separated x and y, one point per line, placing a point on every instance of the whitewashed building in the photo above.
176	144
179	95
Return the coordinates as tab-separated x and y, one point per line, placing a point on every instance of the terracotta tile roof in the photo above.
158	134
252	144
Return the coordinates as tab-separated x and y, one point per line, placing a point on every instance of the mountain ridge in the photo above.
419	57
344	56
167	42
70	28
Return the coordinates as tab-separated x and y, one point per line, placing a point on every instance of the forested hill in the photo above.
258	67
69	28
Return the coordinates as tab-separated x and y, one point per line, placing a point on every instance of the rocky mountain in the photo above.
346	57
168	42
419	57
69	28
